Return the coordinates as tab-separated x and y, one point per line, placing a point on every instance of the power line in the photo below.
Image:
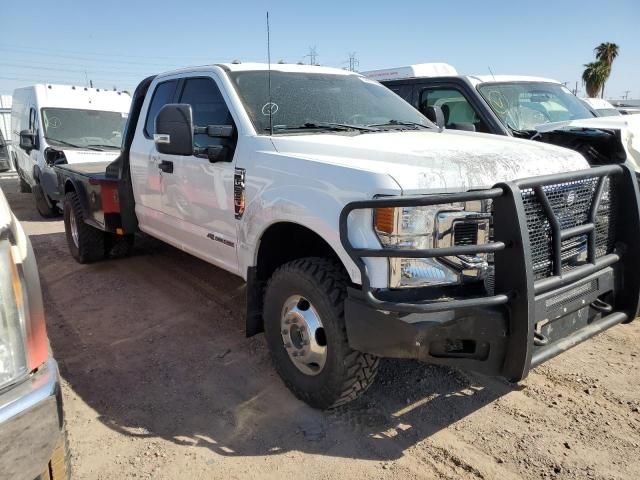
313	55
84	53
97	59
353	62
82	70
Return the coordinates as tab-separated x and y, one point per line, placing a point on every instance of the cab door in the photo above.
27	160
197	196
144	159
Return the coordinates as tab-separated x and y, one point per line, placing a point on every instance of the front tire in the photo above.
306	334
86	243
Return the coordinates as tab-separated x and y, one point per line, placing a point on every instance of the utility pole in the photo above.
626	94
313	55
353	62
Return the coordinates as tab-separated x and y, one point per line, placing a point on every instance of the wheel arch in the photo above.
272	252
73	186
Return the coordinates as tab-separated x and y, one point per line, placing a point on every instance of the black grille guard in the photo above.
515	286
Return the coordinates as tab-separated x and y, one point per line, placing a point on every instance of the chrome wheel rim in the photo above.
303	335
74	230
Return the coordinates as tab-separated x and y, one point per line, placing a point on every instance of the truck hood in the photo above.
86	156
614	122
433	161
628	125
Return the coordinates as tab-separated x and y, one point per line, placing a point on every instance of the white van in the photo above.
55	124
601	107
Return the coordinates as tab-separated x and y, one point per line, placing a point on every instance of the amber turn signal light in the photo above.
385	220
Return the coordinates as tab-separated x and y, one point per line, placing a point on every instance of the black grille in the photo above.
571	204
465	233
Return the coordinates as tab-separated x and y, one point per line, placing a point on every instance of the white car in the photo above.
361	228
54	124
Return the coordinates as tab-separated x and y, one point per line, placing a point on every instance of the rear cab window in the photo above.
163	94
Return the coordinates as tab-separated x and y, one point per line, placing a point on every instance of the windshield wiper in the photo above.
392	123
340	127
69	144
103	145
528	134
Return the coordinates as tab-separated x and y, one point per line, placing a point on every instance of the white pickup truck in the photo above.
532	108
362	229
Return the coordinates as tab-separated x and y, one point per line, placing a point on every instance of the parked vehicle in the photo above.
601	107
32	431
629	110
363	230
55	124
5	163
518	106
5	132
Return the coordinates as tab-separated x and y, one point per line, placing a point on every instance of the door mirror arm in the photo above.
215	131
214	153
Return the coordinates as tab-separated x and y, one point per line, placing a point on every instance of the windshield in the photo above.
70	127
318	100
525	105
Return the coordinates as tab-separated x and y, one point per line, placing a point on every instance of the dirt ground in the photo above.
160	382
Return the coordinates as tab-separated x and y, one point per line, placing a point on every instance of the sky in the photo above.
118	43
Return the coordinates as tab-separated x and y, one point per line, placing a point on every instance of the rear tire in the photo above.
344	373
42	205
86	243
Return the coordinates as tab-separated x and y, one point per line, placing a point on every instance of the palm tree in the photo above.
594	76
606	53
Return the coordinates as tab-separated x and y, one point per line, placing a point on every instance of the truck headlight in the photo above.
443	225
13	357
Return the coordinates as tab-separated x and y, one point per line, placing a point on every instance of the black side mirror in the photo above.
174	129
27	140
466	126
436	115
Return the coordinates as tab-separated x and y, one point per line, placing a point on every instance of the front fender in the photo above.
312	194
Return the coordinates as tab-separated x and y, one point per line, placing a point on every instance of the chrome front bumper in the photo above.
31	423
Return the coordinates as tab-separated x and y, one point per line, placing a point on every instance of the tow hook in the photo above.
601	306
540	340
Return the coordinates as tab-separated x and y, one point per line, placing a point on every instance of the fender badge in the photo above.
238	193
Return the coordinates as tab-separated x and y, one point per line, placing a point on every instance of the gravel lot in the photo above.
160	382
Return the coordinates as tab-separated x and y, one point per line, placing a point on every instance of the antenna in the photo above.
269	76
491	72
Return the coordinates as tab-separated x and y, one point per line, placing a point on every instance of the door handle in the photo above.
166	166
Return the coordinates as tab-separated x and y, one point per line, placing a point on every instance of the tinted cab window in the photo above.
455	107
208	107
163	94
